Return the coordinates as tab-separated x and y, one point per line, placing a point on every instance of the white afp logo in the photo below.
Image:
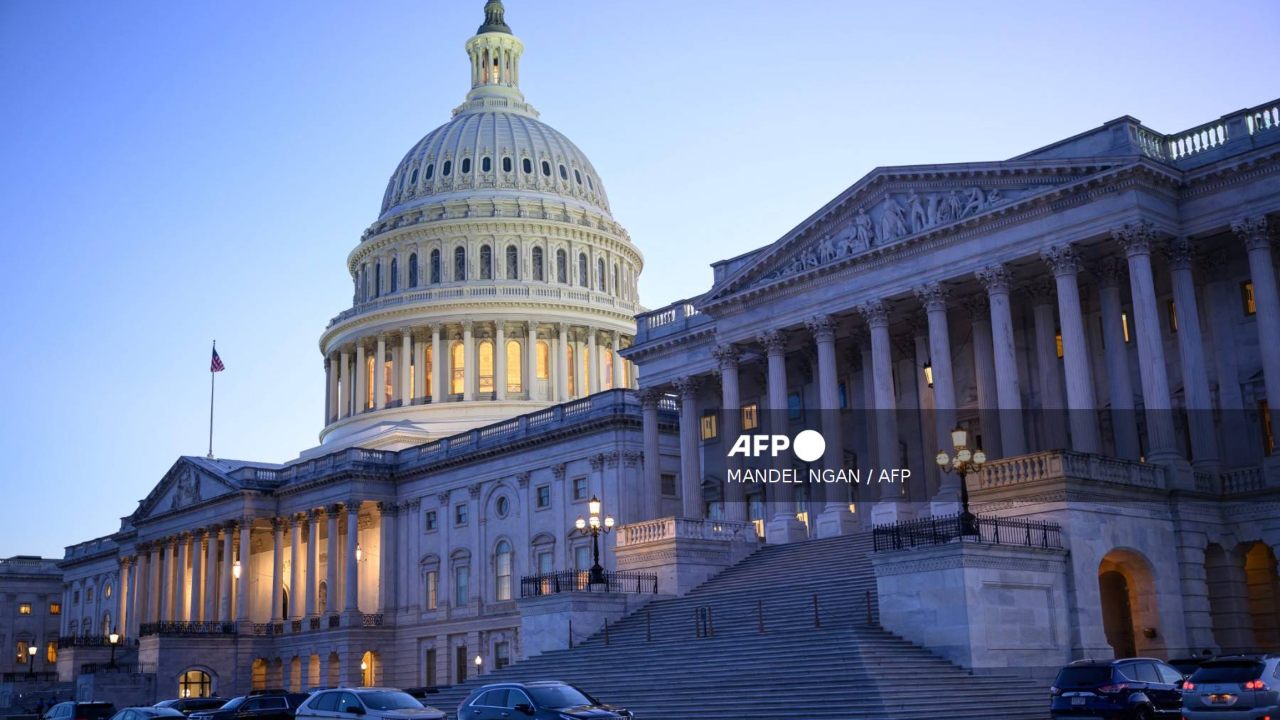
809	445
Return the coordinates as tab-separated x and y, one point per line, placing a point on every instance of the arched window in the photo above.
600	274
485	362
413	270
195	684
431	170
546	168
583	280
527	166
514	370
513	262
502	564
435	267
564	174
457	368
544	360
486	262
537	264
562	267
377	279
395	274
459	264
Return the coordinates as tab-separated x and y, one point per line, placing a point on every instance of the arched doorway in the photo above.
1128	600
1264	596
259	674
368	668
195	683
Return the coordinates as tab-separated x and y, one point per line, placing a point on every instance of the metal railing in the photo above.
945	529
101	667
187	628
579	581
19	676
72	641
371	620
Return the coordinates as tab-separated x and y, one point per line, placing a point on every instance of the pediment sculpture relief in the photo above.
187	489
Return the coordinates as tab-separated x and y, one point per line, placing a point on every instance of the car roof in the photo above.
1108	663
537	683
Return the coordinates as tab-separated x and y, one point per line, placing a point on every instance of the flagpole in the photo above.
212	376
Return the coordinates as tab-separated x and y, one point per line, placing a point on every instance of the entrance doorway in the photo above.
1117	614
1128	598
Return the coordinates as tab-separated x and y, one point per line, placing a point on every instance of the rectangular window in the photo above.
582	558
1057	339
1124	325
1268	437
580	488
22	652
429	665
433	589
501	654
709	429
55	608
461	585
546	562
430	521
750	416
1246	297
543	496
668	484
460	514
1173	318
88	595
51	651
460	663
24	608
795	407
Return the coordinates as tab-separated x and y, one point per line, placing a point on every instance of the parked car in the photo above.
1236	686
147	713
366	703
1127	689
80	711
1188	665
536	700
271	705
186	706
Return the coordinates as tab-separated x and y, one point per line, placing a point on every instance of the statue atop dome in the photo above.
493	21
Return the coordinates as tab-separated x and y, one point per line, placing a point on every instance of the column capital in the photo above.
1111	271
726	355
467	325
1181	253
387	508
1253	231
406	333
687	386
822	327
563	330
995	278
876	313
1135	238
333	509
774	342
320	513
531	327
649	397
932	296
279	524
1063	260
353	505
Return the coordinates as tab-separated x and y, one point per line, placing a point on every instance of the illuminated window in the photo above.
55	608
486	262
51	651
544	360
1057	339
24	608
513	262
709	428
1246	296
580	488
1268	437
485	361
501	654
106	592
502	561
1173	317
427	391
368	378
606	380
538	274
573	376
750	416
195	684
515	367
433	589
388	379
23	657
457	368
1124	325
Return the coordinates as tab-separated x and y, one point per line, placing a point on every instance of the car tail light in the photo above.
1255	685
1188	686
1112	689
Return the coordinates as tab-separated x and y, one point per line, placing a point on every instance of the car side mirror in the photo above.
525	708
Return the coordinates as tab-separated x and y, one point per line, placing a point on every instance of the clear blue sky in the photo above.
172	172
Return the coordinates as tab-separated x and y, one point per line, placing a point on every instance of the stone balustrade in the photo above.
513	290
674	528
674	318
1054	464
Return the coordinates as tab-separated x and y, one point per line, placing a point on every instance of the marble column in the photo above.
593	362
157	582
500	360
351	588
735	494
334	399
228	574
1256	235
1195	374
197	574
1064	262
278	526
690	452
141	606
996	279
210	594
1111	271
651	494
362	380
296	581
835	518
313	561
180	583
1222	310
331	560
619	375
344	382
783	526
468	363
387	556
405	366
934	299
1136	240
123	616
562	363
380	374
876	313
984	370
531	361
246	571
438	383
1052	410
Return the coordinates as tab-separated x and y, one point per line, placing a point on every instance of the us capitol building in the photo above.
1102	313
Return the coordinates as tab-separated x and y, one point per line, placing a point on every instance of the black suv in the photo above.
1128	689
536	701
260	705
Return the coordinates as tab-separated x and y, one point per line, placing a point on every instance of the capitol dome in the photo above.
494	282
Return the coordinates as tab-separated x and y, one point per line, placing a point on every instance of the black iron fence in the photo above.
949	528
106	667
19	676
71	641
580	581
187	628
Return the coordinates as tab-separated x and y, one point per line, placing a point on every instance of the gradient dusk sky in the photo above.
173	172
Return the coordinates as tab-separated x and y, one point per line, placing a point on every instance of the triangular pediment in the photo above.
186	484
893	205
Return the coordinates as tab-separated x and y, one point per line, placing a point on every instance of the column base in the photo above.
785	528
886	512
835	519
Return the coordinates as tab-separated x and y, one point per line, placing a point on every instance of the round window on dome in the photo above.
431	170
466	165
446	168
527	165
486	164
577	176
564	174
546	168
506	164
503	506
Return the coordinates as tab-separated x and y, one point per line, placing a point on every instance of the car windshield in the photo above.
558	696
233	703
1228	672
1083	676
390	701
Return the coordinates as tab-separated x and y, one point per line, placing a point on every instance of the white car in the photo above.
365	704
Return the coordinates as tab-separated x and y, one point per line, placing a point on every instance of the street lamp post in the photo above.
964	462
113	640
31	659
593	525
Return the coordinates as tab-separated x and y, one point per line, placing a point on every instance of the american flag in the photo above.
215	365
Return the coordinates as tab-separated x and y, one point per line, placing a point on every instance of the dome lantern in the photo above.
495	60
